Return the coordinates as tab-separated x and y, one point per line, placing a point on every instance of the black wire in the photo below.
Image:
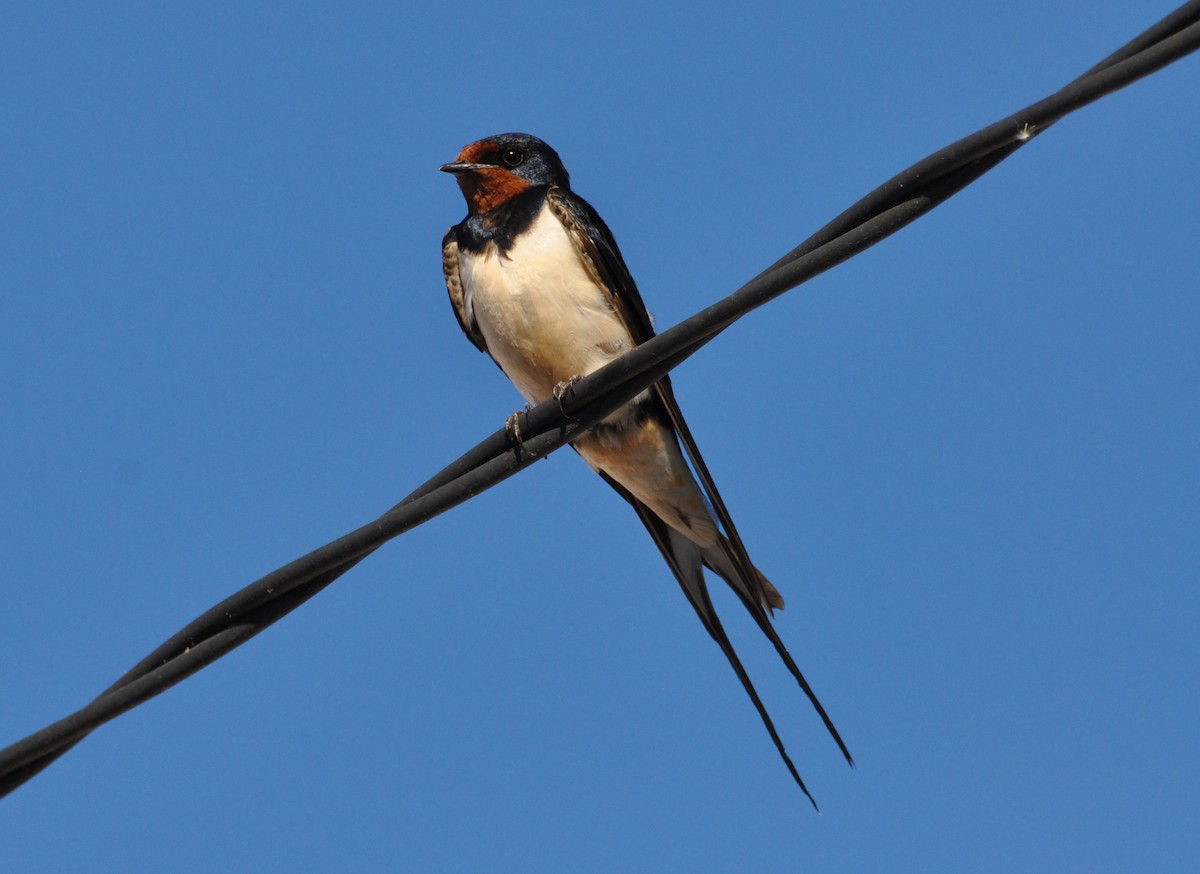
548	426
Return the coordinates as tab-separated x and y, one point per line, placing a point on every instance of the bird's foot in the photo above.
512	427
560	390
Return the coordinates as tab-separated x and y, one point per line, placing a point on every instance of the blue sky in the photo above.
968	458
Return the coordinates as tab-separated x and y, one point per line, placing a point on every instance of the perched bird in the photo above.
537	282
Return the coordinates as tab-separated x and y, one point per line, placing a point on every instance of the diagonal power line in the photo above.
545	428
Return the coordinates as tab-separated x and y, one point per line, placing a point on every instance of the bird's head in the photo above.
496	169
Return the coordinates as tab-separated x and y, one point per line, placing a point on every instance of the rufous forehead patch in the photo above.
474	153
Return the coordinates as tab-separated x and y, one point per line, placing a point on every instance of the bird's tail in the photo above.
758	596
721	560
687	562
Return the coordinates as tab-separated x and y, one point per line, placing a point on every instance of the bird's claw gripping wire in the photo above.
560	390
512	427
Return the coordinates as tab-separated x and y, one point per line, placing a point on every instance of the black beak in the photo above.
457	167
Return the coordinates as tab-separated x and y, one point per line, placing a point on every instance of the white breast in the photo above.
543	317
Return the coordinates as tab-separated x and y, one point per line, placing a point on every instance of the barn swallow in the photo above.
538	283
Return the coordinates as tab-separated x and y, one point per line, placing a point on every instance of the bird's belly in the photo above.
543	317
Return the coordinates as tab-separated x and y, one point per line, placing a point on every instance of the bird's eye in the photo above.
512	157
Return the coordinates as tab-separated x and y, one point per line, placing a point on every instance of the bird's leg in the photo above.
561	389
512	427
